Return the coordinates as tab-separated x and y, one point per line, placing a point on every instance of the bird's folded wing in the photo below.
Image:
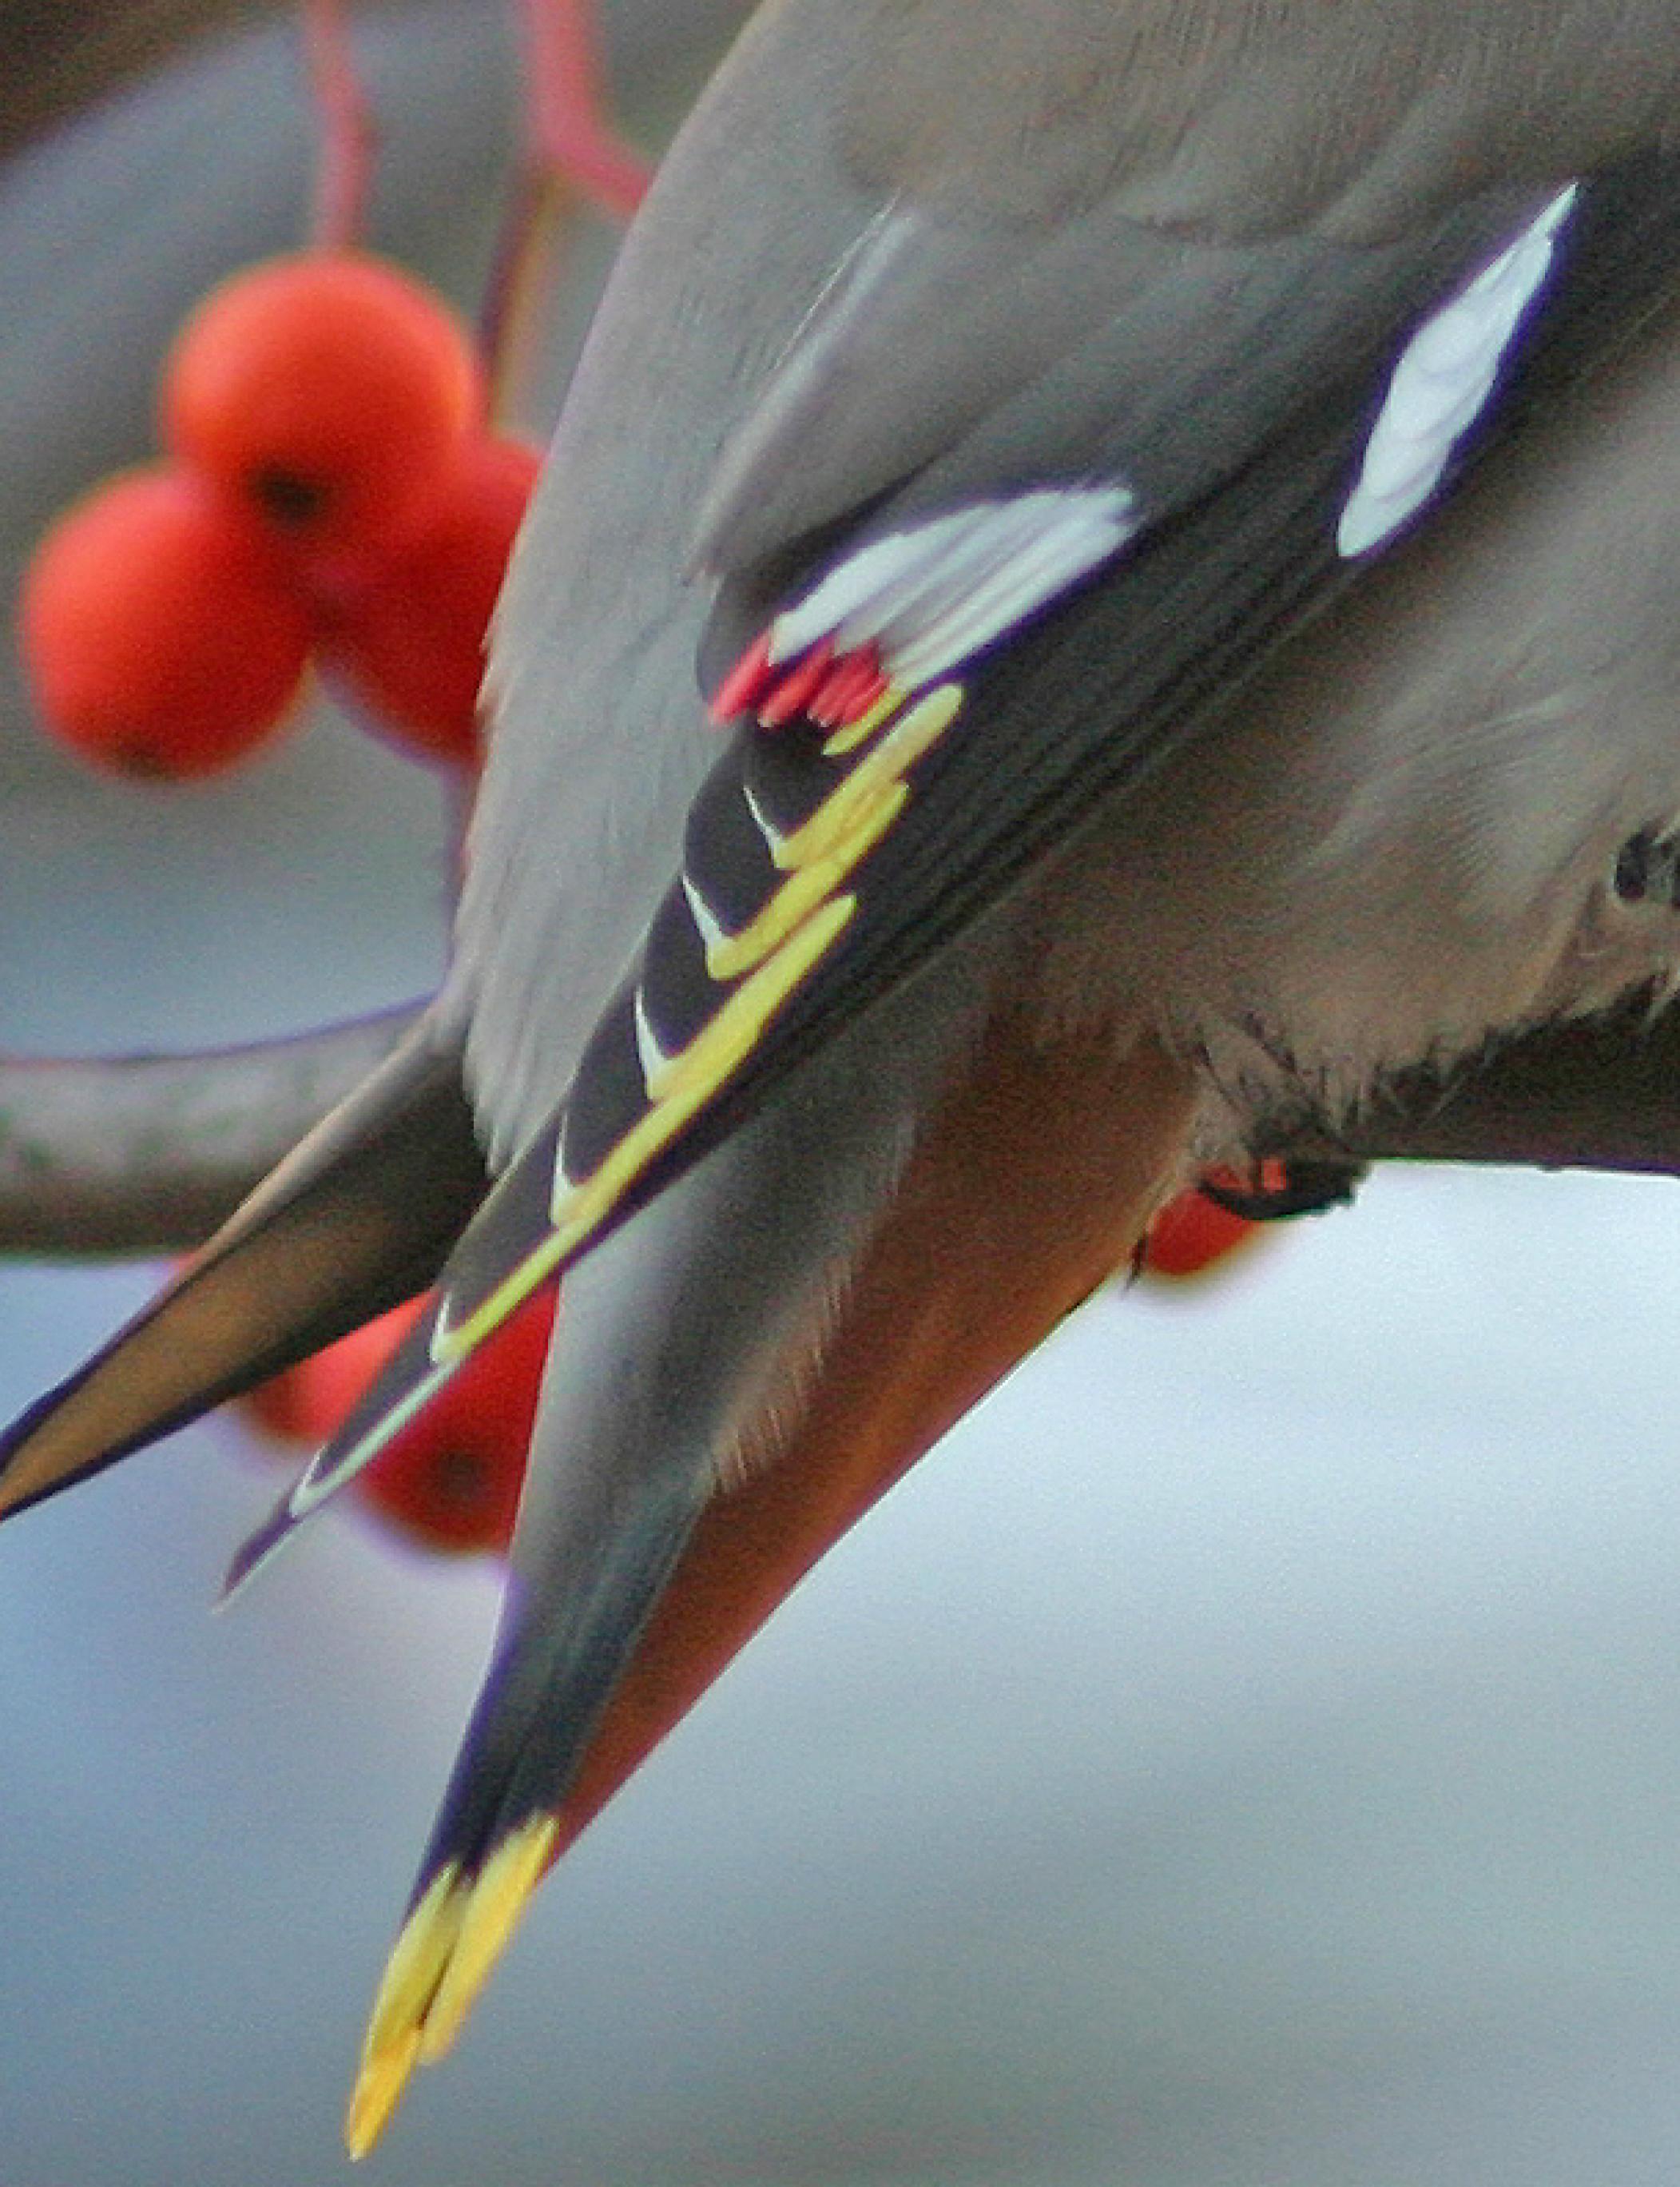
1025	651
1035	649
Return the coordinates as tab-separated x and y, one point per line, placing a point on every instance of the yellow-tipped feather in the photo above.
379	2090
810	885
910	739
859	732
442	1960
496	1900
688	1081
392	2047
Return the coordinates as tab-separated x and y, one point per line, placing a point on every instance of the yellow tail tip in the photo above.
392	2048
496	1899
379	2090
441	1960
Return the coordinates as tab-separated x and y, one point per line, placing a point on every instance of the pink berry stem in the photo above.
568	129
522	274
570	148
349	133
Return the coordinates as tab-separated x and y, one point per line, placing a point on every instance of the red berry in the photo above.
305	1404
159	632
452	1479
1191	1233
410	643
329	391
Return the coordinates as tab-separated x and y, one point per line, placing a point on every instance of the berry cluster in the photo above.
331	494
331	491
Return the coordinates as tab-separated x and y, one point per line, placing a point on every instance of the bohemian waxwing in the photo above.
1110	582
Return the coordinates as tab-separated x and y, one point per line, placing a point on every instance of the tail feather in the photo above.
361	1216
552	1676
636	1580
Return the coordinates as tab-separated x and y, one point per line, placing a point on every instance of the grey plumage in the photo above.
1276	720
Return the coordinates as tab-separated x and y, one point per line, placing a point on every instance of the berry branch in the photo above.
567	133
332	491
570	150
349	133
147	1154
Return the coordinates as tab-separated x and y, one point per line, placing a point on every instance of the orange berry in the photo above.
327	390
1191	1233
410	643
159	632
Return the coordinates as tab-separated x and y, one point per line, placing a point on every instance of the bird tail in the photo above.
633	1435
361	1214
720	1406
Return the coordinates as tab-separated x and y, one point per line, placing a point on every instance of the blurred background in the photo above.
1246	1755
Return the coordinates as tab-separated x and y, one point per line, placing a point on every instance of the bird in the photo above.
1105	592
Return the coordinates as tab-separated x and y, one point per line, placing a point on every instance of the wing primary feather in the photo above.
504	1254
362	1216
410	1379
